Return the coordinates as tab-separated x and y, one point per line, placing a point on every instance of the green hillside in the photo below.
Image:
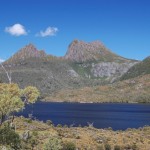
139	69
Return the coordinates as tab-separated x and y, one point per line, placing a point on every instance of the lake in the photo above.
117	116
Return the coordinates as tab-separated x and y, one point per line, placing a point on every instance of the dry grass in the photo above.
87	138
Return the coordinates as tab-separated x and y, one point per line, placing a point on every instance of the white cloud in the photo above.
50	31
1	60
16	30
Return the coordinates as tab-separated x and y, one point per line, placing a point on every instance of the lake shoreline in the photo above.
90	102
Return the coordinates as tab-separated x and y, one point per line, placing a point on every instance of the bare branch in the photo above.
8	74
90	124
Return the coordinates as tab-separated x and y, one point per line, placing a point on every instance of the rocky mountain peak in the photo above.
94	44
80	51
29	51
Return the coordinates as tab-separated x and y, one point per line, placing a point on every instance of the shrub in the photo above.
107	146
69	146
54	143
59	125
134	147
65	126
28	120
49	122
117	147
9	137
100	147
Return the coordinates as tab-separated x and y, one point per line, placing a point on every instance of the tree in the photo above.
31	94
10	98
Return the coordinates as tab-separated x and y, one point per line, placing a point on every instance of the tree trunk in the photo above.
2	119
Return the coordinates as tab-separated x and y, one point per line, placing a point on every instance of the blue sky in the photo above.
122	25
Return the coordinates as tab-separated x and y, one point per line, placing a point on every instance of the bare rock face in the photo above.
110	69
80	51
28	51
72	73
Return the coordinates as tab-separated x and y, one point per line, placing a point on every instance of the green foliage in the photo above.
134	147
30	140
100	147
10	98
31	94
54	143
28	120
107	146
69	146
117	147
65	126
59	126
141	68
49	122
9	138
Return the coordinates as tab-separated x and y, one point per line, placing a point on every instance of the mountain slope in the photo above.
139	69
132	91
48	75
85	64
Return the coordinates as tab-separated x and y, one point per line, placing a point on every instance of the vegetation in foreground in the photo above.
35	135
135	90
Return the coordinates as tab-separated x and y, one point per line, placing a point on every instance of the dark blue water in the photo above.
117	116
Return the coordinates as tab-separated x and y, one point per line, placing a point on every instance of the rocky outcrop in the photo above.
29	51
110	69
79	51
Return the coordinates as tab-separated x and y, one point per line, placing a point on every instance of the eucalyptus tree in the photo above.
10	98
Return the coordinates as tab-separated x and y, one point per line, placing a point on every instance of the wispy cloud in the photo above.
2	60
50	31
16	30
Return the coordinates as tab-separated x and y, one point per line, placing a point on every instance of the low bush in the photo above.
117	147
10	138
107	146
54	143
69	146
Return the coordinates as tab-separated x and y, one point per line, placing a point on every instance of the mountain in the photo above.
85	64
28	51
94	60
141	68
80	51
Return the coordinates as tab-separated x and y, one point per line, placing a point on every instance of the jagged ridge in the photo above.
80	51
29	51
89	64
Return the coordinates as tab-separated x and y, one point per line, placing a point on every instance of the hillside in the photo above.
85	64
139	69
132	91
